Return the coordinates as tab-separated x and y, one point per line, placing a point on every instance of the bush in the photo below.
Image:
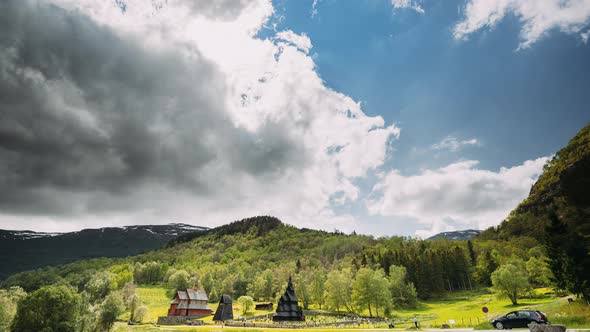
109	310
141	313
50	308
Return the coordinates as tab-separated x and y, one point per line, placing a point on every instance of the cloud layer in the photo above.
127	112
457	196
132	112
538	17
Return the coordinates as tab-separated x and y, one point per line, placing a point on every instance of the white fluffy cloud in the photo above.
457	196
453	144
538	17
408	4
302	42
226	125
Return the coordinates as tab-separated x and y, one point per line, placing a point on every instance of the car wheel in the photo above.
499	326
533	323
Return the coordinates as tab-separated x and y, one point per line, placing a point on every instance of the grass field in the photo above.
124	328
464	308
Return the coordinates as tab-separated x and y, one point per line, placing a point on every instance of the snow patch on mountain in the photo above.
456	235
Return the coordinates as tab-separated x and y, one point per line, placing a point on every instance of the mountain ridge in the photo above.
22	250
456	235
8	234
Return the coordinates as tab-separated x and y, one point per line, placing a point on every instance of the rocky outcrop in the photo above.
547	328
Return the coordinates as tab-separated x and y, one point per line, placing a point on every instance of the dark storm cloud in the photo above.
85	111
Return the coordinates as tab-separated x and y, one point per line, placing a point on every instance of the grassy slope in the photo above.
464	307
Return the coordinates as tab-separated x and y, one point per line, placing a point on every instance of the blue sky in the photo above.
408	68
385	117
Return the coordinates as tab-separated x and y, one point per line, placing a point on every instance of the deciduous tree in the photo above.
180	280
246	302
109	310
370	290
318	286
100	286
511	279
8	301
403	294
339	290
51	309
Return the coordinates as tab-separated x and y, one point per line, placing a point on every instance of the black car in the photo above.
520	318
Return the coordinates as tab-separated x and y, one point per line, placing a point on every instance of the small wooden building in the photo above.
264	306
190	302
224	310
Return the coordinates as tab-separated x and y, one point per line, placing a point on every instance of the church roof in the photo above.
185	299
182	295
187	305
199	295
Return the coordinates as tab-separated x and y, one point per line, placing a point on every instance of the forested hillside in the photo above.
255	256
557	214
27	250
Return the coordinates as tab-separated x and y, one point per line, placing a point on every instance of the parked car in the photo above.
520	318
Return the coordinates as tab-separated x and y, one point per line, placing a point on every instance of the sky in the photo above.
384	117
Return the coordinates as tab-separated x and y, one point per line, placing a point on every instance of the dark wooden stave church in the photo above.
224	310
288	308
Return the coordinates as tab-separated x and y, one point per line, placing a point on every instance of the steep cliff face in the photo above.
563	187
566	176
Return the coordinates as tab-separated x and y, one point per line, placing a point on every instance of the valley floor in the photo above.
124	328
462	308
